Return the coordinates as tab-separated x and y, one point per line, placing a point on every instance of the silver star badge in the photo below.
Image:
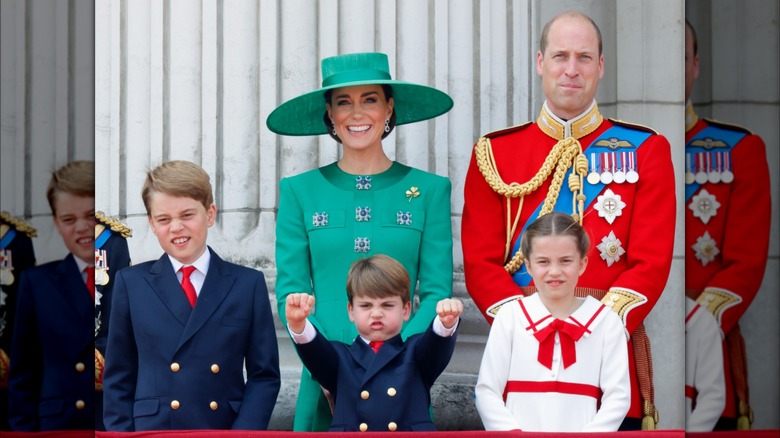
611	248
704	206
98	296
610	206
705	248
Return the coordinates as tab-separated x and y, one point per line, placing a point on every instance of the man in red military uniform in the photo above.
726	230
615	177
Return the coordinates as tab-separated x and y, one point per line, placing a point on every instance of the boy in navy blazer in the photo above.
380	382
183	327
51	379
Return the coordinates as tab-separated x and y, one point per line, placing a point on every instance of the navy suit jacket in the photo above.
169	366
392	385
53	351
118	257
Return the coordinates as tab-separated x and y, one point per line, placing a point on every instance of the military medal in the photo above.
705	248
619	176
101	267
701	175
632	175
593	176
726	176
704	206
611	248
609	205
6	268
606	175
713	175
689	178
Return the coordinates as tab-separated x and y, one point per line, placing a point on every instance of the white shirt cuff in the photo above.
442	331
308	334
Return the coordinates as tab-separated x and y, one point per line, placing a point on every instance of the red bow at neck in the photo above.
568	333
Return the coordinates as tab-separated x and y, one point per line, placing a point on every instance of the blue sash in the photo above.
9	236
731	138
633	136
101	240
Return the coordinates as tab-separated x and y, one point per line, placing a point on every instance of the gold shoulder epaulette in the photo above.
18	224
504	131
115	225
637	126
728	126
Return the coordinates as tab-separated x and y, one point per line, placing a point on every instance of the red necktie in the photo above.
90	270
375	345
568	333
186	284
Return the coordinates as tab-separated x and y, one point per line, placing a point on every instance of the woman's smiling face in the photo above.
358	114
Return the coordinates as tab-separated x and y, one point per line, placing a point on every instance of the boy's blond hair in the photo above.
178	178
76	178
378	276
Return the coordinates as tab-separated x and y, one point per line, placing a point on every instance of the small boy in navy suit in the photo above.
183	327
51	381
380	382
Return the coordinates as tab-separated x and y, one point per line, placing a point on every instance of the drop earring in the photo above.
387	125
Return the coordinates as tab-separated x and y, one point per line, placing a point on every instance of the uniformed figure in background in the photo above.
615	178
727	211
111	255
51	385
16	255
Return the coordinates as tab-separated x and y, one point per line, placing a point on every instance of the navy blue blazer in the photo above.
22	257
118	255
51	384
169	366
387	390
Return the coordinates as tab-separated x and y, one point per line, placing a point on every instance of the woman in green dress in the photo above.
361	205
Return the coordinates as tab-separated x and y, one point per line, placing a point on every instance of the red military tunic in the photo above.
628	275
726	225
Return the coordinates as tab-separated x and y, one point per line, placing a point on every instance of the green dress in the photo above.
328	219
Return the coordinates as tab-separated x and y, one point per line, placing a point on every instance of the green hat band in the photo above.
356	75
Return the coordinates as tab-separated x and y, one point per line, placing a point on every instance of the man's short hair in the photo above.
180	179
546	29
695	37
76	178
378	276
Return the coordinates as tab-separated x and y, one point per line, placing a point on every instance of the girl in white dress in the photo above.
554	362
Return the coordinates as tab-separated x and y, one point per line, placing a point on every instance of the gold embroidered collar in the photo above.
690	116
577	127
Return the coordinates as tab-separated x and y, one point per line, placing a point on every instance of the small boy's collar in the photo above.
201	263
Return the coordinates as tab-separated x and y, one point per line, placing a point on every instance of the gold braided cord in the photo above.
20	225
115	225
564	154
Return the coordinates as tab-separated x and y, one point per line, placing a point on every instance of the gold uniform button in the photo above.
213	405
391	392
363	427
80	367
215	368
175	367
175	404
80	404
364	395
392	426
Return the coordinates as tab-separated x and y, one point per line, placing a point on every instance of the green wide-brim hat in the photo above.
303	115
